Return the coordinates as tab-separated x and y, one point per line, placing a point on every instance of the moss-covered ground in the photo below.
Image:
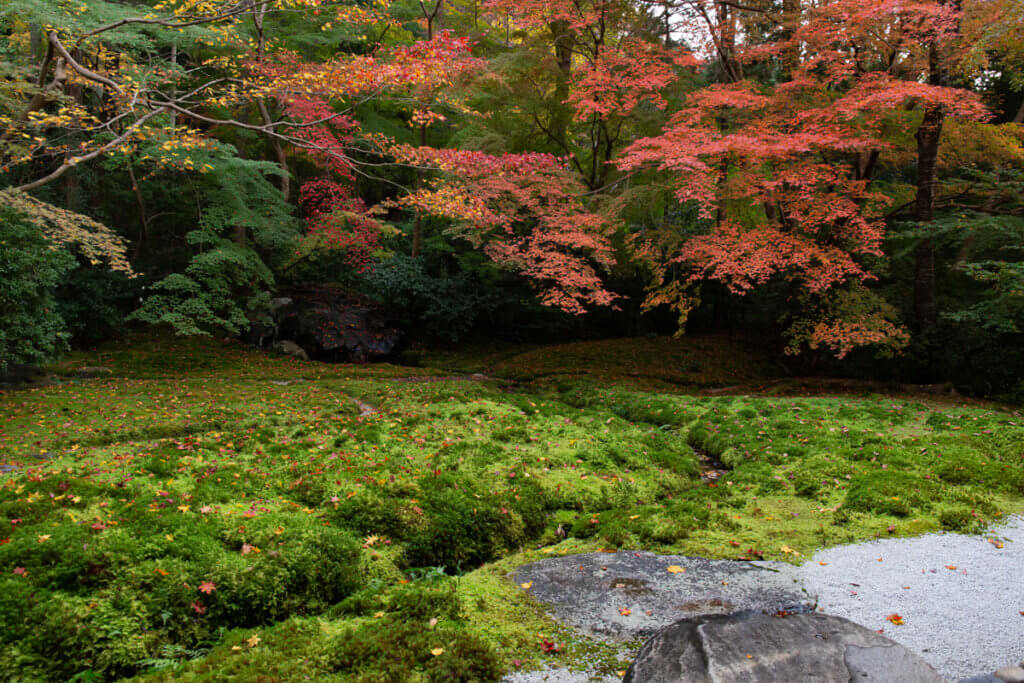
209	512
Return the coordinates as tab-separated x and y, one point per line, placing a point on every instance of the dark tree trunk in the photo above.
924	211
563	41
417	226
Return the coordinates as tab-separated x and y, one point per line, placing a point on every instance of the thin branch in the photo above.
86	73
74	161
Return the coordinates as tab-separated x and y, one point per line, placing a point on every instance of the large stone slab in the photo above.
769	649
628	595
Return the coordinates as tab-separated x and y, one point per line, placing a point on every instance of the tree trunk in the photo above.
791	10
417	226
279	152
143	219
928	135
562	38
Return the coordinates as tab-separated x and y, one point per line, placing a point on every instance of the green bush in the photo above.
30	270
436	306
94	302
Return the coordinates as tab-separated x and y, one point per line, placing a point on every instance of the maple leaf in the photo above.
207	587
625	611
198	608
895	619
253	640
549	646
43	538
437	651
21	571
249	548
527	585
675	569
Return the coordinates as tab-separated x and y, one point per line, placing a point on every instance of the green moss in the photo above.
133	491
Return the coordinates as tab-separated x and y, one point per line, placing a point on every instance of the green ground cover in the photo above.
208	512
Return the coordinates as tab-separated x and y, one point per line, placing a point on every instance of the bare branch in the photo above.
86	73
74	161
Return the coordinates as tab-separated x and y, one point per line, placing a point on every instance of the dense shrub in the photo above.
30	270
433	306
94	302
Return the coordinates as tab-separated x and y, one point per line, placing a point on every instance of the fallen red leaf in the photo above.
549	646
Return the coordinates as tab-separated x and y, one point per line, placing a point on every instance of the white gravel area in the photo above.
552	675
960	597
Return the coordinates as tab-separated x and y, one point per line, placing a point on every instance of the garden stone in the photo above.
627	595
335	327
91	372
768	649
279	303
1011	674
290	348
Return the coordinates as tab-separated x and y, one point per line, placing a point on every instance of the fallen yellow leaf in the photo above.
527	585
437	651
675	569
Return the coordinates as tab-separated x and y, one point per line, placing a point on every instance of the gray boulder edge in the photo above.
768	649
290	348
589	591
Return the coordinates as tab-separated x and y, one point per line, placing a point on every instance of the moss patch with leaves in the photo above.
208	512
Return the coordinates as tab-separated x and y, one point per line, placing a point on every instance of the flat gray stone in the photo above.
1010	674
89	372
592	592
290	348
769	649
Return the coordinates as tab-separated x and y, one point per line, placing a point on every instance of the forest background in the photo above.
841	178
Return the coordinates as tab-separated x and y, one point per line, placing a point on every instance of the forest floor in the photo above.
207	511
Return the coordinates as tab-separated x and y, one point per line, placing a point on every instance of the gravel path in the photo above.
961	597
